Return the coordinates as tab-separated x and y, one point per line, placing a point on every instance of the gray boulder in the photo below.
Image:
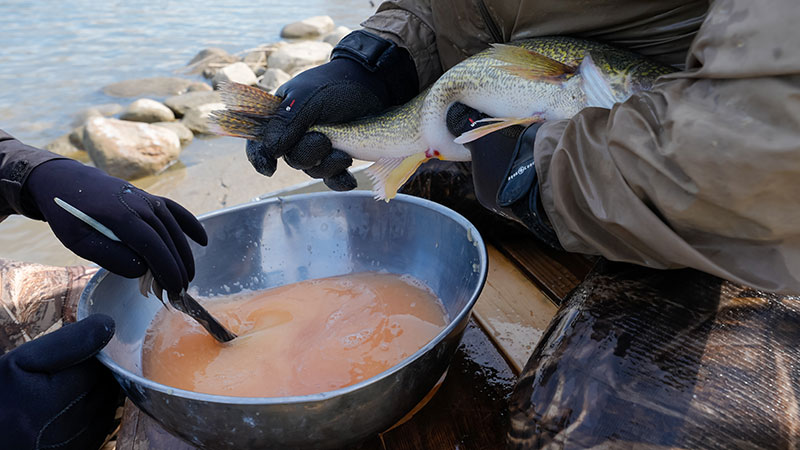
63	146
237	72
179	104
196	119
130	150
210	60
299	54
272	79
256	60
199	87
148	111
104	110
336	35
306	28
155	86
184	134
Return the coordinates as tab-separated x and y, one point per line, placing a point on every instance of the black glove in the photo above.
366	75
503	171
54	393
151	228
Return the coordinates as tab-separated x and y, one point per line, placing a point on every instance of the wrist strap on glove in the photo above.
390	62
519	190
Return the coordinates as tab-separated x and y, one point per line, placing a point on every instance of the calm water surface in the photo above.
56	56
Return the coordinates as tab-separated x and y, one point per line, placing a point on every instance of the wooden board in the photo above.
513	311
467	411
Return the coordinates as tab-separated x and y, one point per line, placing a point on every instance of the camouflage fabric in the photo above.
36	299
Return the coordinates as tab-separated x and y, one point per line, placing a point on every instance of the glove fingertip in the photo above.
188	222
343	181
263	162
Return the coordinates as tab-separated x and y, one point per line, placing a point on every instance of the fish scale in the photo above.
546	78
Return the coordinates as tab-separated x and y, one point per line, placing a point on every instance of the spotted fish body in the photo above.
537	79
482	83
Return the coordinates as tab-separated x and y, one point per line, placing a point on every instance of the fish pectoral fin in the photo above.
596	87
244	107
495	124
389	174
529	64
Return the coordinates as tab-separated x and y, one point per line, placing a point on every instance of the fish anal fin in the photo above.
389	174
531	65
495	124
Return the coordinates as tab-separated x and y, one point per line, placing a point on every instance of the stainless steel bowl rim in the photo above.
483	269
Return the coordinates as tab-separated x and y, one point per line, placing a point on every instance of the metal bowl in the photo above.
274	242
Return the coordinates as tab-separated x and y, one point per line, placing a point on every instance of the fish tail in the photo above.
245	107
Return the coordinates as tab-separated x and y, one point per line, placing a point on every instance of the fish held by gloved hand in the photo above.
538	79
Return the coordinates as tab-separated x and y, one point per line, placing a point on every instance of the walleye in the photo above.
520	83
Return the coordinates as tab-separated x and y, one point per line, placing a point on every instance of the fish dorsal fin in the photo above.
389	174
595	85
529	64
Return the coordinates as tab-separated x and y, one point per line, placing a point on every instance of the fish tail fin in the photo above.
233	123
495	124
248	100
389	174
530	64
245	106
595	85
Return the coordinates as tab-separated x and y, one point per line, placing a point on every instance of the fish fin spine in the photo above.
495	124
597	89
389	174
248	100
530	64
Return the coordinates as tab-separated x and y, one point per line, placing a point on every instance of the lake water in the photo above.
56	56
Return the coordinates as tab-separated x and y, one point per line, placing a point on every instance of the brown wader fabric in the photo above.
701	172
37	299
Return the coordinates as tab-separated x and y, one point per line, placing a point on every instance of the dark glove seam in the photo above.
53	419
120	195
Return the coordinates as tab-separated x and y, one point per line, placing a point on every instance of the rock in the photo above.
130	150
64	147
104	110
184	134
299	54
311	27
255	60
76	137
238	72
199	87
179	104
272	79
210	60
336	35
155	86
196	119
148	111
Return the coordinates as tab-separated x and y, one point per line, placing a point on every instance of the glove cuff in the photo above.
390	62
519	190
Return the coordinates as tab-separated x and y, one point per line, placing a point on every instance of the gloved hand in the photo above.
366	74
503	171
151	228
54	393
